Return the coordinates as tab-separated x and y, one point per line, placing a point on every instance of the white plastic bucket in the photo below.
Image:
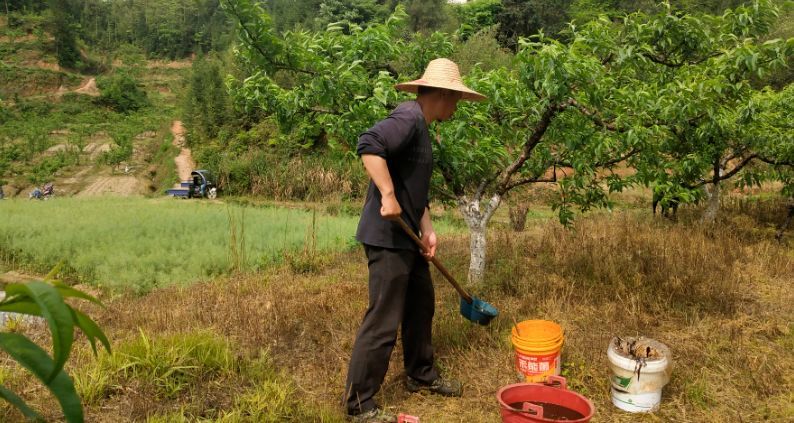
637	403
637	391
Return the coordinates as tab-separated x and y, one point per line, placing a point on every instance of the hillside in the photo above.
58	127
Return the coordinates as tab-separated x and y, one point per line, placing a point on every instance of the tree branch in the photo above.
319	109
490	209
737	168
480	189
552	179
630	154
388	68
593	115
775	162
736	154
727	175
663	60
532	141
252	43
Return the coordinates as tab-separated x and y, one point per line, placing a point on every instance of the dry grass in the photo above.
719	298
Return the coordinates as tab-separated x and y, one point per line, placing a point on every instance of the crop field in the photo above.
145	243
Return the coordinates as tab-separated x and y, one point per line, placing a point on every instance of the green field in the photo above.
146	243
139	243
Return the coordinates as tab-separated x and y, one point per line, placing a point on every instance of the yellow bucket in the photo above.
537	344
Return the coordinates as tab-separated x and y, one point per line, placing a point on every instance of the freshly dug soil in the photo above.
637	348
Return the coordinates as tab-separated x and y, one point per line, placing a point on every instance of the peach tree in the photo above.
615	94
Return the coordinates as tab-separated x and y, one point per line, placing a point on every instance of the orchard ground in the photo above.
273	343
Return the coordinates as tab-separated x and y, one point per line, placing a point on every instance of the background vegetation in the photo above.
169	243
244	309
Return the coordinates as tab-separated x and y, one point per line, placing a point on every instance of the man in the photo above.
397	154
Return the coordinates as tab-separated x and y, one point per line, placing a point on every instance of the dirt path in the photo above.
89	88
119	185
184	161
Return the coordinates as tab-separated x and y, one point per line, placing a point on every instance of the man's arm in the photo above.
428	235
379	173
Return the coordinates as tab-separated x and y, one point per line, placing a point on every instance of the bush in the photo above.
274	175
481	48
206	106
122	93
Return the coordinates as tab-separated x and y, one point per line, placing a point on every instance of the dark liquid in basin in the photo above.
552	411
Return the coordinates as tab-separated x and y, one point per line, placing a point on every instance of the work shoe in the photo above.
440	386
376	415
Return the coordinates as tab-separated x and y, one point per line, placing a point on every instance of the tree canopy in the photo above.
668	95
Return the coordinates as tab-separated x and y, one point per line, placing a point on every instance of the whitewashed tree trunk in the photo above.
713	206
477	218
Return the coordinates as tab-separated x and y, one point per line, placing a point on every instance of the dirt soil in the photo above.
120	185
168	64
15	277
184	161
89	88
636	348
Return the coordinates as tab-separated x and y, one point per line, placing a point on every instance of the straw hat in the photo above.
441	73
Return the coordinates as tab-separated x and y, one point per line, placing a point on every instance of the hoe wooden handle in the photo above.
437	263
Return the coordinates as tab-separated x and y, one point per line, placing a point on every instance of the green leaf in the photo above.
58	317
91	330
36	360
69	292
20	404
22	307
50	276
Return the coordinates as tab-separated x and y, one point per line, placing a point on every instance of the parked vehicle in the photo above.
200	185
43	193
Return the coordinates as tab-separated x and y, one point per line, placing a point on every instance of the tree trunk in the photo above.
786	223
477	221
477	249
713	206
518	216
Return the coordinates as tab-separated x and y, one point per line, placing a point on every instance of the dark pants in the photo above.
400	296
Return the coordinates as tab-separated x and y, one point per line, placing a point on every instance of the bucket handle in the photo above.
533	409
557	382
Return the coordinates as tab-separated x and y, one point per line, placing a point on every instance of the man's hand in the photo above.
390	208
430	241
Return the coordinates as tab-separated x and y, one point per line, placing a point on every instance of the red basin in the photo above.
553	392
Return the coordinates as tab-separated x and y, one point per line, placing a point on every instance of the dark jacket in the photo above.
402	139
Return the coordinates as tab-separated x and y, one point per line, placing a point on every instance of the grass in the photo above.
718	297
170	365
195	375
142	244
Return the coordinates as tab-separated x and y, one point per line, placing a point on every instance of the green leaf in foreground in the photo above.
56	313
20	404
36	360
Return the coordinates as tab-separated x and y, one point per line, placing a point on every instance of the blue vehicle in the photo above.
43	194
200	185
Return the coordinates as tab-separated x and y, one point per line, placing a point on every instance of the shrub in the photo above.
482	48
206	105
122	93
